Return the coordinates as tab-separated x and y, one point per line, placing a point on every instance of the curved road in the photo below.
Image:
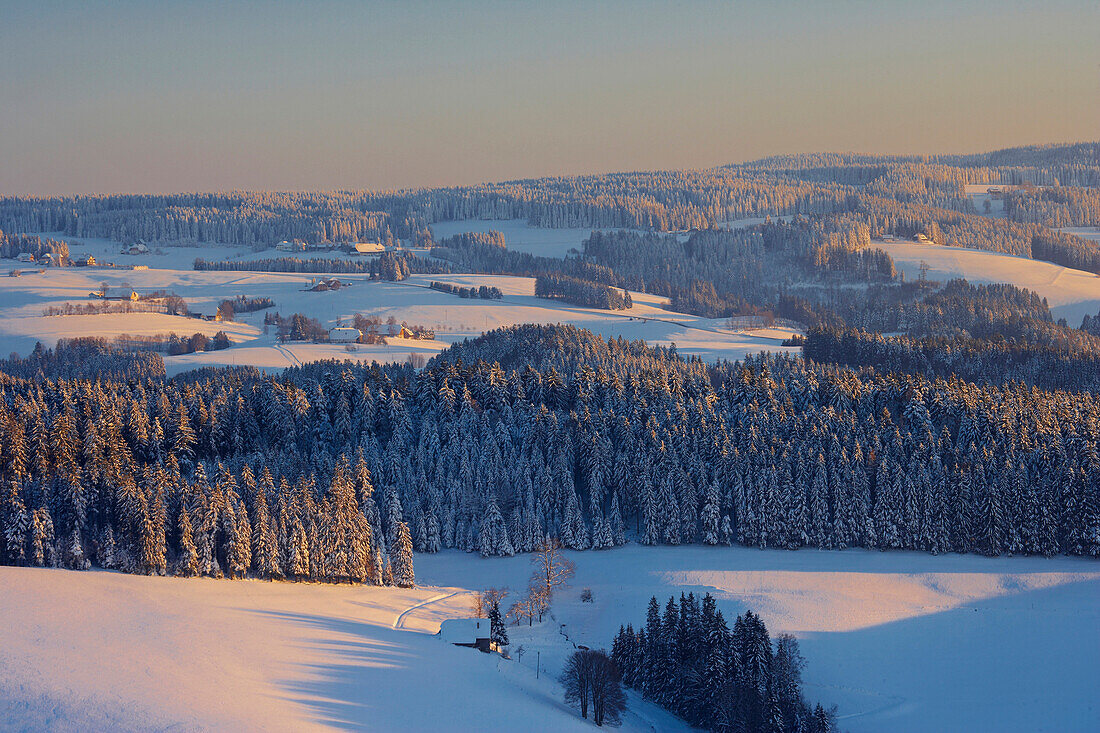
399	622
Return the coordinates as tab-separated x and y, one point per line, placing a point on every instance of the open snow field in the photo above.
1071	294
110	652
900	641
23	299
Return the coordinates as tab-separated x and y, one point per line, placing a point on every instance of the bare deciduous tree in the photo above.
591	679
552	568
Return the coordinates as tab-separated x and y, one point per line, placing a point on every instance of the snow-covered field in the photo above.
1070	293
900	641
23	299
101	651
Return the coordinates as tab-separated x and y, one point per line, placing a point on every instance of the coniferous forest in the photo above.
338	471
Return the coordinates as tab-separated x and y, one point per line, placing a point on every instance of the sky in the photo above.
104	97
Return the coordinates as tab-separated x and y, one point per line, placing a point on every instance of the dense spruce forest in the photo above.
338	471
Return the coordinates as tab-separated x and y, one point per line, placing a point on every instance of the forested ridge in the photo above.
336	471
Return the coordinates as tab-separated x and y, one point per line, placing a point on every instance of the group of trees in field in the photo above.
230	307
175	345
581	292
468	240
716	678
484	292
298	327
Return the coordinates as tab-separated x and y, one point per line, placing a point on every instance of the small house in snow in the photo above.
469	632
138	248
285	246
344	335
25	257
320	285
85	261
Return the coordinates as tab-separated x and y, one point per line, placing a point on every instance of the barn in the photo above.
369	248
344	335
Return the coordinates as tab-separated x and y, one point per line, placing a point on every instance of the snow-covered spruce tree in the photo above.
497	630
493	534
187	563
402	555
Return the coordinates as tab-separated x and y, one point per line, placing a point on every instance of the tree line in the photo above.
586	441
581	292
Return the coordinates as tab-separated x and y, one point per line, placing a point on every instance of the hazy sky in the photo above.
182	96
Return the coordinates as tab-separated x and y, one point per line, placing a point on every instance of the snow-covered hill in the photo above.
900	641
1070	293
101	651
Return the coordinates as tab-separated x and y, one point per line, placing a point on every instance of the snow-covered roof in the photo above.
369	247
463	630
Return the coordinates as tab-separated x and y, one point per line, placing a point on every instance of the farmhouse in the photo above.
85	261
467	632
320	285
344	335
25	257
285	246
369	248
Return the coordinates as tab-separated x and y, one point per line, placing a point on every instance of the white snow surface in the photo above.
106	651
1071	294
900	641
23	299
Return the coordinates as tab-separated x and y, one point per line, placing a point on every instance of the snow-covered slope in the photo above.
1070	293
899	641
102	651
